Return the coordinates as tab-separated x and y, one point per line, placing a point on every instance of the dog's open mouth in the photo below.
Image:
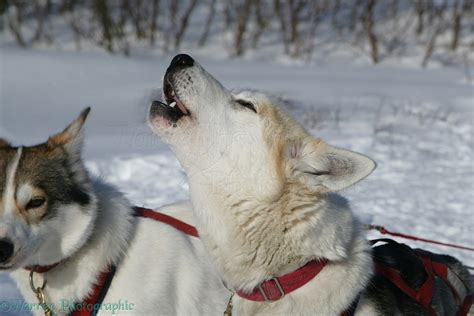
172	100
174	109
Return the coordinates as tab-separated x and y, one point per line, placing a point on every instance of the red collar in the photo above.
95	298
42	269
275	288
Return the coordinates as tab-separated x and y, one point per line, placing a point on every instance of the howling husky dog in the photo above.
53	217
263	190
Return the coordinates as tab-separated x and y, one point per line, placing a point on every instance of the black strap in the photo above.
102	293
351	310
105	289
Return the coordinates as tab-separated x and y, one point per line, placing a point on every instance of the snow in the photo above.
417	125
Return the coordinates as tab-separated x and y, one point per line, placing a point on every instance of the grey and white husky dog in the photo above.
53	214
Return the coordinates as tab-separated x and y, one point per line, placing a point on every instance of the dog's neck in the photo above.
73	278
251	240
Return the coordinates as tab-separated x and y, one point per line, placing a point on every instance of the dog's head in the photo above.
242	142
47	208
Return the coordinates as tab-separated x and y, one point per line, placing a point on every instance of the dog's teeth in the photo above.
172	104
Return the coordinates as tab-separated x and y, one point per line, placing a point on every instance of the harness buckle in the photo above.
278	286
39	292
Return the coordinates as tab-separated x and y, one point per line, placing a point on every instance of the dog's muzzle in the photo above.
173	109
179	62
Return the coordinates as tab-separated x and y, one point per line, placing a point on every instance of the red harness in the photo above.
276	288
92	303
160	217
425	293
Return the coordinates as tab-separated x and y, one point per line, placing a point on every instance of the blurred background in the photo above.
392	79
438	31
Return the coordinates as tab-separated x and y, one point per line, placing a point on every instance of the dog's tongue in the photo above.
181	106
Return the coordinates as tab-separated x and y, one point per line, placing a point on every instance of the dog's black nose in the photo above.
6	250
181	60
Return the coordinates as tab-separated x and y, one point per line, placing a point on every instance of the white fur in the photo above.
260	188
160	270
9	193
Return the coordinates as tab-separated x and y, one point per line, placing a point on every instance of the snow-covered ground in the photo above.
417	124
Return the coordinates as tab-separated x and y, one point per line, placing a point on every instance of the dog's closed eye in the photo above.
317	173
247	104
35	202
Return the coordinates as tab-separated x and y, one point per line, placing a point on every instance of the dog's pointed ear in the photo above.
330	167
4	143
71	137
